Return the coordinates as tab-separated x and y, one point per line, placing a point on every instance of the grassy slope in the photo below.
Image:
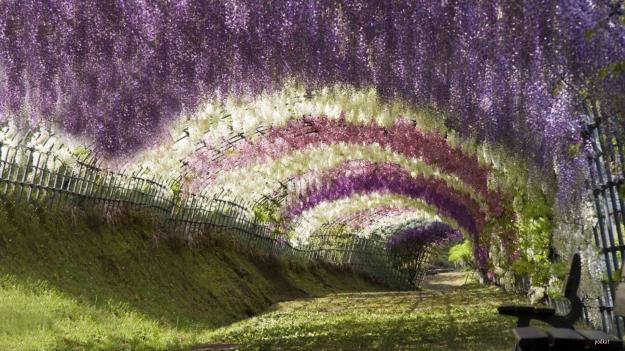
72	284
462	318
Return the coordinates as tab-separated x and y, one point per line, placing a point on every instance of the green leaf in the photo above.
573	150
461	252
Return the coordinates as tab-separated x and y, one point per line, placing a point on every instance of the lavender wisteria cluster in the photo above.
367	217
363	177
431	233
503	71
309	132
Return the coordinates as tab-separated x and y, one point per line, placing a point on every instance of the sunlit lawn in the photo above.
462	318
38	317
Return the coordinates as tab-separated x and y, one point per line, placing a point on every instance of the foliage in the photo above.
267	212
176	187
461	253
262	212
534	225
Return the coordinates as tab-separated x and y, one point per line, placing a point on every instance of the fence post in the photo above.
44	173
3	162
32	183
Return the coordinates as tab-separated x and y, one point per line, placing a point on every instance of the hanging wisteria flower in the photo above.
309	132
265	175
331	211
430	233
491	72
366	177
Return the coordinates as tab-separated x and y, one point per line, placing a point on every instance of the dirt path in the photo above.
447	281
447	315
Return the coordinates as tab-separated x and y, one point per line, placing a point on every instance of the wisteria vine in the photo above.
403	137
116	71
365	177
431	233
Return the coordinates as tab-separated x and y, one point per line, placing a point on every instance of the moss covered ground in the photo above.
69	280
444	316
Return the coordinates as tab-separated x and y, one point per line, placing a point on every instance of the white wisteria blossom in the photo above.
218	119
261	178
328	211
390	225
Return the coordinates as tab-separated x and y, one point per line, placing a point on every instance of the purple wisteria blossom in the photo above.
310	132
431	233
364	177
502	71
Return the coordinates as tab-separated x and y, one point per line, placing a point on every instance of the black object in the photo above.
525	313
565	339
563	336
531	338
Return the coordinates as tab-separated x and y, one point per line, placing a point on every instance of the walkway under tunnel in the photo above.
347	152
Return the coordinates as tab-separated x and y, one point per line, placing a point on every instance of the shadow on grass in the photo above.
463	318
102	275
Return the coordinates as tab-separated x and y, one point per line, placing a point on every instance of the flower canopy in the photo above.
453	112
425	234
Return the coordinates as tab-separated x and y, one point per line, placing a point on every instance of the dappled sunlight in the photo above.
307	174
458	319
448	280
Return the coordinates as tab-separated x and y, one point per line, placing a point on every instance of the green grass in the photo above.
71	281
463	318
37	317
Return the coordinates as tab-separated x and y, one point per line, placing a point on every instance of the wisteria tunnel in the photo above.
368	137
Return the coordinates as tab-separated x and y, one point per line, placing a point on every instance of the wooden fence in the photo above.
42	178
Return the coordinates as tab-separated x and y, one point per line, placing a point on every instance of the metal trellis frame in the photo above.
606	163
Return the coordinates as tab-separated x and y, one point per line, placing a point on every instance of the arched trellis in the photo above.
363	177
240	150
414	266
403	137
333	211
340	249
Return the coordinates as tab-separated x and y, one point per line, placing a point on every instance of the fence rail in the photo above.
41	177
